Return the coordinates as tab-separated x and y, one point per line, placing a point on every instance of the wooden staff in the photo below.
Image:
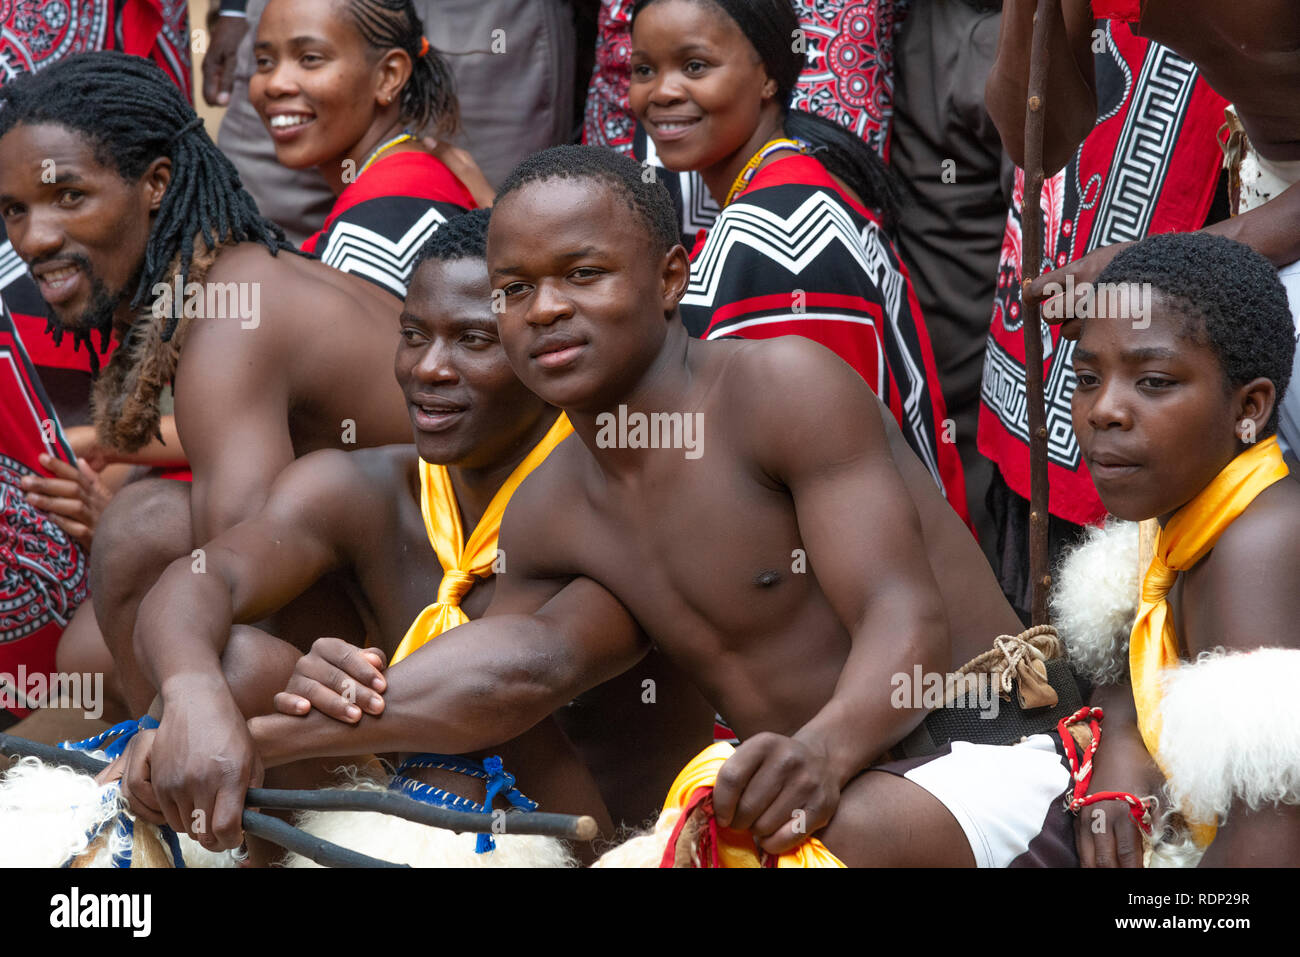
563	826
1030	265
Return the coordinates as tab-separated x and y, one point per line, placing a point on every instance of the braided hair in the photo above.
429	96
771	26
132	113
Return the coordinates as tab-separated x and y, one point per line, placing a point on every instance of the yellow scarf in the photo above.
735	848
464	562
1186	538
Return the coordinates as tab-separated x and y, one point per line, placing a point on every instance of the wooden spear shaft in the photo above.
1031	263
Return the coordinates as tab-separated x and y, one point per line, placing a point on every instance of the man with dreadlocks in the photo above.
135	226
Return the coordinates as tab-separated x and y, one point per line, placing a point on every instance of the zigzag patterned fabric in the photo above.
1149	166
381	220
793	255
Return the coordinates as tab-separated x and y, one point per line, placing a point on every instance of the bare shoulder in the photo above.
1249	585
548	505
796	398
336	483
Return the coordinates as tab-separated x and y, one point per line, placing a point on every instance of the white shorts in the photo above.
1008	799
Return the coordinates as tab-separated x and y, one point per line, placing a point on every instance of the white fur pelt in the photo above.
644	849
48	813
1230	732
400	841
1095	600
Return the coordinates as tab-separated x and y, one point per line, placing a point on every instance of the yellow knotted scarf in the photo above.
735	848
464	562
1186	538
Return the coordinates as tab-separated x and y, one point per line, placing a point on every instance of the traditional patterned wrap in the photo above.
382	219
464	562
1186	538
37	33
794	255
849	79
44	574
1149	166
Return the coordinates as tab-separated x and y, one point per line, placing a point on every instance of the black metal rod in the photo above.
259	825
566	826
308	845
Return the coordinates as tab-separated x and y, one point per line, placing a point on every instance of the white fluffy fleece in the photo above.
643	849
400	841
1094	601
47	812
1231	732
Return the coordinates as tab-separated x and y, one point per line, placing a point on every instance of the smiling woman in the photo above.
801	246
344	86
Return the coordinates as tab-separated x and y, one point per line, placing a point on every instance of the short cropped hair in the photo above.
461	237
642	193
1230	296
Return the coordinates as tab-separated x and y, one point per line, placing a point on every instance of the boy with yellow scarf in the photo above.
1177	420
405	524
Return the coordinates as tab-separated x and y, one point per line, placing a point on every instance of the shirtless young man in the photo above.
361	513
1177	421
785	568
107	183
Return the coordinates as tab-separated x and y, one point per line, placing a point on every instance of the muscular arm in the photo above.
1272	230
863	539
253	569
541	643
233	390
1071	108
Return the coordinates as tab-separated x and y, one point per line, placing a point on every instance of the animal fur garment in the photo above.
48	815
400	841
645	849
1095	601
1230	732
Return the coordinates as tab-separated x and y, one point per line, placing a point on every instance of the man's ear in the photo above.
676	276
1255	407
393	70
155	181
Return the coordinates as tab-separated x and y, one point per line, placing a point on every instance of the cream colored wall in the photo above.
211	114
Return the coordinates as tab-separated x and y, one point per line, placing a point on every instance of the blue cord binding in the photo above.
500	782
124	827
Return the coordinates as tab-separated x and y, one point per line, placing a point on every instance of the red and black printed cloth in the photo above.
38	33
380	222
794	255
1150	166
43	573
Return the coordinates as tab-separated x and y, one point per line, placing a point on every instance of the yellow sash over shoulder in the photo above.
463	562
1186	538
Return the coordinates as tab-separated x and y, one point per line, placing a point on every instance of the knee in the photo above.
145	527
256	666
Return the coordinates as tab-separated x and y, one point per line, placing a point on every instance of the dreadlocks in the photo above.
131	113
429	95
